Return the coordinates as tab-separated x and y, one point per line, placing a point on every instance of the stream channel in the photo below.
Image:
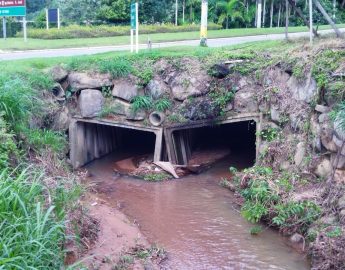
195	220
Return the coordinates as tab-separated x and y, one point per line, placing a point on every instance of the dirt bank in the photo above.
119	243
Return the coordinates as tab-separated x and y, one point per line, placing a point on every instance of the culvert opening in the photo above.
207	144
91	141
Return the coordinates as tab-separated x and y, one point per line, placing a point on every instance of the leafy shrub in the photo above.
263	199
296	213
76	31
255	230
222	98
269	134
156	177
162	104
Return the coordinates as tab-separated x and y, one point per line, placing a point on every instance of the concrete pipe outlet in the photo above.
157	118
58	92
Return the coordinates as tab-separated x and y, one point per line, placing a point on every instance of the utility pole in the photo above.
203	26
176	12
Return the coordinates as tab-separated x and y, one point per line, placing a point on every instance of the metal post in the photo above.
176	12
259	18
4	30
47	19
58	18
286	19
24	29
203	26
132	40
311	20
137	26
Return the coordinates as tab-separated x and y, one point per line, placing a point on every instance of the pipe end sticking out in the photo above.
157	118
58	92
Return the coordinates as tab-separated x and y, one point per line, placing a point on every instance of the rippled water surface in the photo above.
195	220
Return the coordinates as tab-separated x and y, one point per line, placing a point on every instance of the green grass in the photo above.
85	62
30	236
31	44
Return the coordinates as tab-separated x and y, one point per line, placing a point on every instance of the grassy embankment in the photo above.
36	190
19	44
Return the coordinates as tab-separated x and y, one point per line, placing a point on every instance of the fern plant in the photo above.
141	103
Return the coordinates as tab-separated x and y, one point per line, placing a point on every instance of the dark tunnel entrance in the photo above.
195	145
90	141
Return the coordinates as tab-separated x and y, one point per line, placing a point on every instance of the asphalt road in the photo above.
219	42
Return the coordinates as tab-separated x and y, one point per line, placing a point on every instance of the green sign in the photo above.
12	11
133	16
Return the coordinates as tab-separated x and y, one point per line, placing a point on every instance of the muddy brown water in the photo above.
195	220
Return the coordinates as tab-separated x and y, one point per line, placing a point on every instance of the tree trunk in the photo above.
334	9
279	14
328	19
227	21
300	14
259	11
286	19
191	13
271	14
264	14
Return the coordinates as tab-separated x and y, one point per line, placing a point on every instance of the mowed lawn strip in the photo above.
12	44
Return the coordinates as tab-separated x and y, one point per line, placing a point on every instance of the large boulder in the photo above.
339	129
219	71
125	88
80	81
90	103
339	143
120	107
324	168
199	109
191	80
305	90
62	120
135	116
245	101
327	136
58	73
300	153
156	88
338	161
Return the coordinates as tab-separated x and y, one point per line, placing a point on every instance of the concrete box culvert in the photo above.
91	139
180	138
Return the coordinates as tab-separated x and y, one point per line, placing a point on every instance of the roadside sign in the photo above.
14	8
134	26
133	16
52	16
